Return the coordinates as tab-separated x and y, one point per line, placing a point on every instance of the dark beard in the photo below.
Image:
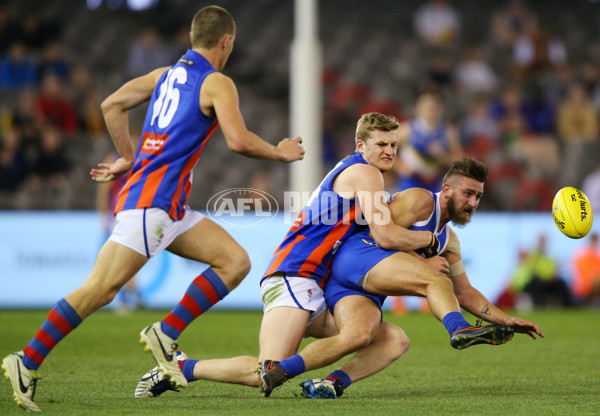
458	217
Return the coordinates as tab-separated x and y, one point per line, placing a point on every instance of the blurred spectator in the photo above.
55	107
479	130
578	129
437	22
13	163
8	29
514	296
440	74
53	62
428	145
17	69
261	180
591	188
35	32
92	120
536	115
51	162
474	74
478	122
25	117
509	22
536	50
537	276
586	277
47	187
147	53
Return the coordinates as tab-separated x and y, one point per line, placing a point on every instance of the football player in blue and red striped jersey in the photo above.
187	102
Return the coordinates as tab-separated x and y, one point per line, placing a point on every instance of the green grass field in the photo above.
95	370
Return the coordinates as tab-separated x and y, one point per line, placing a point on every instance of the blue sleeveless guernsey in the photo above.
174	135
324	223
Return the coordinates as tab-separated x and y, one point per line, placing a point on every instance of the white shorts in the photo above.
293	291
150	230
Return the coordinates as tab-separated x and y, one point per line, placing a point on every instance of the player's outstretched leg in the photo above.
163	349
271	377
154	383
320	388
22	379
488	334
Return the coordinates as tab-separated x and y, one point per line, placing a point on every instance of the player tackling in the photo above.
363	274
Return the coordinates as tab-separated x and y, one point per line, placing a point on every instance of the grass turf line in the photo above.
95	370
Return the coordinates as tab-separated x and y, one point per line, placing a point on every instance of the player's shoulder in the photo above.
358	177
416	196
218	78
360	173
418	200
361	169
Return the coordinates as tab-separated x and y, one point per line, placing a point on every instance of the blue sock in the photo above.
342	376
293	366
454	321
187	369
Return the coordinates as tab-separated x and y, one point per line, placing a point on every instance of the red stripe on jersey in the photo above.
283	254
34	355
206	288
45	339
132	179
150	186
59	322
186	170
338	231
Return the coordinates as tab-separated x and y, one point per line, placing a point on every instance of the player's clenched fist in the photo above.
291	149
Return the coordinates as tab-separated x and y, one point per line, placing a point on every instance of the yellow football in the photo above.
572	212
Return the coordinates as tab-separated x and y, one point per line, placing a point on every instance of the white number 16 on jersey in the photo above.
168	100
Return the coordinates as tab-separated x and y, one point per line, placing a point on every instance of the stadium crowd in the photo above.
521	87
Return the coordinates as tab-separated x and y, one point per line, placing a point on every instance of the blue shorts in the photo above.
353	260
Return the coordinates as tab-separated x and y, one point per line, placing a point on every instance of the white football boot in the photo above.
163	350
153	383
22	379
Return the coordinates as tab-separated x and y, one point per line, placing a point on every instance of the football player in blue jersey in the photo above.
363	274
187	102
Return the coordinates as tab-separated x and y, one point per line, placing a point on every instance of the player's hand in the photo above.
525	327
108	172
291	149
438	263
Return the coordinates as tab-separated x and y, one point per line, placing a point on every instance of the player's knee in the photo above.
237	267
353	341
398	342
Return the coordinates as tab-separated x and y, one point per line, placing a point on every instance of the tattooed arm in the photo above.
473	301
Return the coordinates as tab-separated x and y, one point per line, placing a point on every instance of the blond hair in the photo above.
209	25
374	121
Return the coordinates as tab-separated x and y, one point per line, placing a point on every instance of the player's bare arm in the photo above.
366	182
114	108
219	97
473	301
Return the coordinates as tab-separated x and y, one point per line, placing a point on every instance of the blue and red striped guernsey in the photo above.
174	135
324	223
